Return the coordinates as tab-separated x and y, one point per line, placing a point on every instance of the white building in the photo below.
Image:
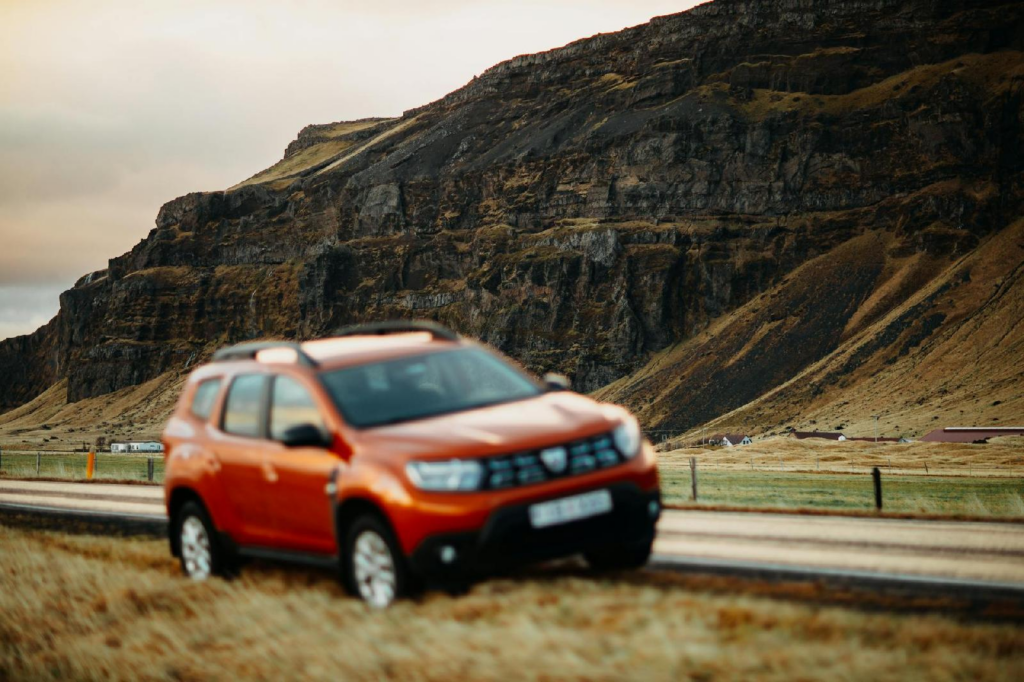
138	446
730	439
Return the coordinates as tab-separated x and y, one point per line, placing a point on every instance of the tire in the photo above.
374	568
620	558
199	547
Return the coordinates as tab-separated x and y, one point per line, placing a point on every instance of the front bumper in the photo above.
508	539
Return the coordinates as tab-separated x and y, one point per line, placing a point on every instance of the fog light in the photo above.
653	508
447	554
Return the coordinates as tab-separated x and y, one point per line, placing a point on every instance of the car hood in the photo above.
547	419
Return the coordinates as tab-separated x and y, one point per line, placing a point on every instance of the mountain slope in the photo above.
947	352
587	208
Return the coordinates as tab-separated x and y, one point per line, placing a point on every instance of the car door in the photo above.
241	450
298	475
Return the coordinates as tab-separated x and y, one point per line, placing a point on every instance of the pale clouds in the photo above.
109	108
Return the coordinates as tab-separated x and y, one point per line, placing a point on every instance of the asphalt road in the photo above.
941	556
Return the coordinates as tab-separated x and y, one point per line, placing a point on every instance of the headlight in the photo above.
627	437
453	474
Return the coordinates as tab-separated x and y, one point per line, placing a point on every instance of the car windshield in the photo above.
425	385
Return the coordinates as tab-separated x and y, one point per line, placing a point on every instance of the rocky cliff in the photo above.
591	208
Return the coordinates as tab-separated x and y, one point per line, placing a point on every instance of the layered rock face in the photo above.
586	208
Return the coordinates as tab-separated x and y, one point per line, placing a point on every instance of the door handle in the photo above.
269	472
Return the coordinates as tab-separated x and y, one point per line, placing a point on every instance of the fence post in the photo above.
149	468
926	468
781	468
1	459
693	476
876	474
817	463
39	461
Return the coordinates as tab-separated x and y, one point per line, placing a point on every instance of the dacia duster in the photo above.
400	453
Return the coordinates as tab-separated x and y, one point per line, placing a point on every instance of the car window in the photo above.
242	407
205	398
423	386
291	405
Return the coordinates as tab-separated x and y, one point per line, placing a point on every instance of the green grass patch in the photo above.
940	495
72	466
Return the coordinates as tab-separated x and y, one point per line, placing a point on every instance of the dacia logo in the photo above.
555	459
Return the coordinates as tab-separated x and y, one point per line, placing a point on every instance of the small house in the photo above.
826	435
729	439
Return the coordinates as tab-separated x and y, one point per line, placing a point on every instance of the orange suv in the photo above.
400	453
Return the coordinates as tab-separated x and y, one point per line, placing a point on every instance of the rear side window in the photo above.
291	405
242	406
205	398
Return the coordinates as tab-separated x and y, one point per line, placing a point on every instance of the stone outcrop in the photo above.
585	208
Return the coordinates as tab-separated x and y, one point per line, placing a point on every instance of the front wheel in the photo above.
201	555
376	570
619	558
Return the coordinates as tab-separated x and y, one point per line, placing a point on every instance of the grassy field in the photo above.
86	607
73	466
996	496
1000	457
940	495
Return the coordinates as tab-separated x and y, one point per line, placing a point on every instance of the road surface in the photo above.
940	554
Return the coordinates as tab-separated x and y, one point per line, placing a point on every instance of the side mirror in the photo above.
306	435
556	382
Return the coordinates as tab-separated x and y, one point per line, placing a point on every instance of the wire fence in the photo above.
729	476
862	466
691	480
74	465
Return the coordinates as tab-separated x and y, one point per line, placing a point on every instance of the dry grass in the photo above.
992	74
291	166
50	422
79	607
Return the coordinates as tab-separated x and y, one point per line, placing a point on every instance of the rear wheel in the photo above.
619	558
375	568
200	553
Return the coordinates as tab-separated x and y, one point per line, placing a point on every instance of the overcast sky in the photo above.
109	108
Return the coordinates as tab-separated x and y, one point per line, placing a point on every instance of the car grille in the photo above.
558	461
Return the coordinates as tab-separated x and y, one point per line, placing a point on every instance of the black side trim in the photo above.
305	558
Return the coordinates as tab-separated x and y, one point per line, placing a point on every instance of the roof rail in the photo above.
248	351
438	331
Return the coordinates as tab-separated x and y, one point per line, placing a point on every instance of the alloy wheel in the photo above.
195	549
374	569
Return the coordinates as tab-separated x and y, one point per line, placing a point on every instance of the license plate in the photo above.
570	509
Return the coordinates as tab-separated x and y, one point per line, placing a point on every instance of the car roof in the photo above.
333	353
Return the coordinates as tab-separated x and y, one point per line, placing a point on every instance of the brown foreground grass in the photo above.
81	607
